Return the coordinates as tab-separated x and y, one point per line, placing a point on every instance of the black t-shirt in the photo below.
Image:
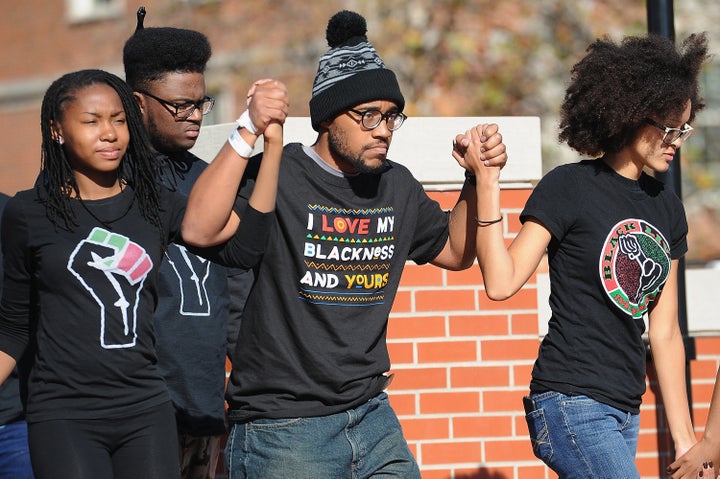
191	321
313	332
11	406
88	296
612	243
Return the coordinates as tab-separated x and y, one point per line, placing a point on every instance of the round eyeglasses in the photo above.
671	134
183	111
371	119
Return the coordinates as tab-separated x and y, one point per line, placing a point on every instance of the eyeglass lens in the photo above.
186	110
671	134
674	134
372	118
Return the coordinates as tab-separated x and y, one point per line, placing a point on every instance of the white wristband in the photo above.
239	144
245	122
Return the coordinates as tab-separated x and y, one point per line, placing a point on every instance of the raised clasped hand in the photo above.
480	146
267	101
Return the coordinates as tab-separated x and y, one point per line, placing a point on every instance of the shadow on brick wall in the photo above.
482	474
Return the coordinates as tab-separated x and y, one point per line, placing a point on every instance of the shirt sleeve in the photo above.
553	202
432	228
247	245
17	281
239	284
678	241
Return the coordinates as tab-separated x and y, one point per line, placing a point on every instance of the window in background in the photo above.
90	10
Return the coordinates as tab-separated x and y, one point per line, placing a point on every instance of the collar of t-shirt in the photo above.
323	164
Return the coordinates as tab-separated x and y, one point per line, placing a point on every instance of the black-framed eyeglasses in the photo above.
671	134
371	119
183	111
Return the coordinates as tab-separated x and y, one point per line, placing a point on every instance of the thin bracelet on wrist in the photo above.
487	222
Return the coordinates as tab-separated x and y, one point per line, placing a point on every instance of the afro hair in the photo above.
151	53
616	86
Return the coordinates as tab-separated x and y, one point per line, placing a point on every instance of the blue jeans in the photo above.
15	452
578	437
354	444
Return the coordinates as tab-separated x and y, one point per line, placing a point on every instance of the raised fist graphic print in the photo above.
634	265
650	274
113	269
192	273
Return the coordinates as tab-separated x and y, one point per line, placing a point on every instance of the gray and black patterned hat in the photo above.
351	72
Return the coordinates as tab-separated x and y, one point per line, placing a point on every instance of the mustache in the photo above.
384	143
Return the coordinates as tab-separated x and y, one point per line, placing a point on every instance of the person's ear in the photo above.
140	98
56	132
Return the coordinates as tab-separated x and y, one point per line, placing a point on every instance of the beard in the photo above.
339	149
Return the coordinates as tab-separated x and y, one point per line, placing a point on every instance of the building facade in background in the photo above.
462	362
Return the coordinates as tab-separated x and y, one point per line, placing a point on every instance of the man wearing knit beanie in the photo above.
350	73
307	393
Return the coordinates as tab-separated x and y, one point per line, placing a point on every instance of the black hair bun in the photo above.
140	18
343	26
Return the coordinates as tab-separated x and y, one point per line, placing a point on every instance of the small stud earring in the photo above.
60	140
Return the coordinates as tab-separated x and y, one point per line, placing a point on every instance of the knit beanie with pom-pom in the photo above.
351	72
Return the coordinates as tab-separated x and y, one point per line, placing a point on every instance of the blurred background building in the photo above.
453	58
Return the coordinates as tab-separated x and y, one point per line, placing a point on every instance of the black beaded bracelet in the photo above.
487	222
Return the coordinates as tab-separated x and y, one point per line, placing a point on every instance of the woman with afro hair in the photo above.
613	236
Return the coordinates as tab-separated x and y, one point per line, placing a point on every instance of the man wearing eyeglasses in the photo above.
307	390
194	320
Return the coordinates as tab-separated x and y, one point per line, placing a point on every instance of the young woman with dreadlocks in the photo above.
81	254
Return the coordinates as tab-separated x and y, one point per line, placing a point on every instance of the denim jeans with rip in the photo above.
578	437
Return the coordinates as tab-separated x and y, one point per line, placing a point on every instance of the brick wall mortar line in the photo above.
463	415
449	339
459	287
445	390
413	366
461	312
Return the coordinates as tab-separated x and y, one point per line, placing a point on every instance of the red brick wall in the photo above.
462	364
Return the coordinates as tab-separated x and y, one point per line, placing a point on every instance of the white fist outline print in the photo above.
109	259
192	273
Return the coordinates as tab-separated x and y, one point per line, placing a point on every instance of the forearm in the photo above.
209	217
707	449
505	269
264	194
481	151
495	263
712	427
461	239
7	364
668	354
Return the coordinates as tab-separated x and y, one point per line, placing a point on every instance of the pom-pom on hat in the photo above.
351	72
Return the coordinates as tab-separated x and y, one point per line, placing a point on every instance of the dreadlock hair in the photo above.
615	87
151	53
137	167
